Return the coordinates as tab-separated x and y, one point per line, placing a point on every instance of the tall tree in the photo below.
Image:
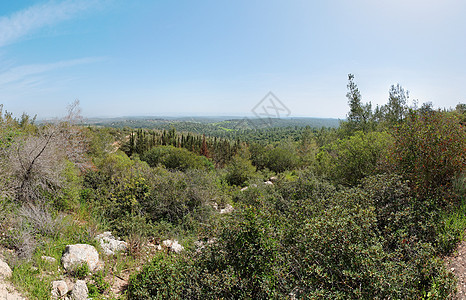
397	107
360	115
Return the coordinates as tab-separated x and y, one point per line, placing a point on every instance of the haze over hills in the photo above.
208	123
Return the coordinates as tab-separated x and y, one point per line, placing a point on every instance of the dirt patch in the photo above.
457	264
8	292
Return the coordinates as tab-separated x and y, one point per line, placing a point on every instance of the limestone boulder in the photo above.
5	270
78	254
80	291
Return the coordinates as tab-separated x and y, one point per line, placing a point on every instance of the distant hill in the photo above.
210	125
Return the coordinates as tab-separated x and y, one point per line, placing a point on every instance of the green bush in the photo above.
281	158
175	158
429	150
306	238
239	171
349	160
165	277
177	197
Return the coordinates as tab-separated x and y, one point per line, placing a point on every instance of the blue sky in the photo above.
162	57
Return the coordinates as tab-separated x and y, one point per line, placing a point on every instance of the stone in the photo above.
5	270
80	291
228	209
77	254
48	259
245	188
59	289
268	182
173	245
110	245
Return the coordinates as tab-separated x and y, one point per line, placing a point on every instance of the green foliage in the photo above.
283	157
98	285
451	229
306	238
81	271
165	277
175	158
349	160
239	171
360	115
30	282
67	197
181	198
430	151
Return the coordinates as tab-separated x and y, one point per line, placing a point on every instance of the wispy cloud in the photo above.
21	73
21	23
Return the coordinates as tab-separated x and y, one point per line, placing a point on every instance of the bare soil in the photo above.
457	264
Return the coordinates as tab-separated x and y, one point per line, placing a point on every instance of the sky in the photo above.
220	58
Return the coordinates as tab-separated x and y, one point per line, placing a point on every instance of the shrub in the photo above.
430	151
175	158
349	160
239	171
176	197
282	158
165	277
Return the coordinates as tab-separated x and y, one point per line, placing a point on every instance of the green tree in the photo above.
397	107
360	115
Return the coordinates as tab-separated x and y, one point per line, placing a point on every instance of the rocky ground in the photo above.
7	292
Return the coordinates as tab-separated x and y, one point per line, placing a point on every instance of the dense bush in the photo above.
178	197
347	161
175	158
239	171
429	150
281	158
314	243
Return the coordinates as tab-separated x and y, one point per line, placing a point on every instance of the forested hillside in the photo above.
365	210
213	126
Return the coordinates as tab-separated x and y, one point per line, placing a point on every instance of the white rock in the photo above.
80	291
48	259
110	244
5	271
228	209
273	178
78	254
268	182
173	245
245	188
59	289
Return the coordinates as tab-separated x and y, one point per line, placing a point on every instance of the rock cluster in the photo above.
60	290
110	245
